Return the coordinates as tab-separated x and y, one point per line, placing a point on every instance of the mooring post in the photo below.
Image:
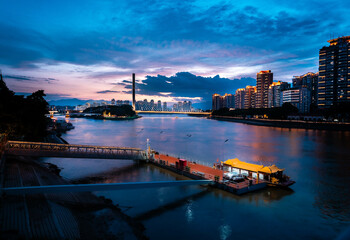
148	150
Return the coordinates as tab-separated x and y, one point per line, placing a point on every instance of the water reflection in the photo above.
263	196
186	201
225	231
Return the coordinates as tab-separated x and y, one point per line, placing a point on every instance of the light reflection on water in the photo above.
319	161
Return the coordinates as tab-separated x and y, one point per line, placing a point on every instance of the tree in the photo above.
22	118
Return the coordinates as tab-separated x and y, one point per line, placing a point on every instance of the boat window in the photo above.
261	176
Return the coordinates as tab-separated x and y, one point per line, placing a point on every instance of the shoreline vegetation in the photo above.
108	112
23	118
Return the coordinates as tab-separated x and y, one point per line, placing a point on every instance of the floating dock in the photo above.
197	171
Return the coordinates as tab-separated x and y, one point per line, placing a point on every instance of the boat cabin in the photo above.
255	171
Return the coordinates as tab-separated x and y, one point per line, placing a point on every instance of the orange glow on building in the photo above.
334	41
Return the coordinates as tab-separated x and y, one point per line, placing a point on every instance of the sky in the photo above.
179	50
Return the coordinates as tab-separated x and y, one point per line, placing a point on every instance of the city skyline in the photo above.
92	56
326	89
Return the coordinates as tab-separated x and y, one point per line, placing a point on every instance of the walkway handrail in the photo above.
13	143
99	187
38	149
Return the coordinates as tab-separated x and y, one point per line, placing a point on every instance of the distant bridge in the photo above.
38	149
170	112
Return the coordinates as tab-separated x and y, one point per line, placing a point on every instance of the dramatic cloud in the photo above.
92	44
19	78
108	91
189	86
29	78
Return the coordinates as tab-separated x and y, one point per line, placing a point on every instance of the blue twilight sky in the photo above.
88	49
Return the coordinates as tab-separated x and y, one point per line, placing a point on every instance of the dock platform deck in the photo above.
199	171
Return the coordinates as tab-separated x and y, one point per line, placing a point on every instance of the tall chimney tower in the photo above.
133	92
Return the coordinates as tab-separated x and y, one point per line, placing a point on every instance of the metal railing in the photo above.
72	151
100	187
174	112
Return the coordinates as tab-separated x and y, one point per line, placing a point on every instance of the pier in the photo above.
191	170
38	149
197	171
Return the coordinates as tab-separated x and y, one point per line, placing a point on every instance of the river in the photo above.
316	207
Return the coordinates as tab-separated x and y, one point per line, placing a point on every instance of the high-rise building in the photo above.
228	101
309	80
249	97
274	94
151	105
175	108
334	73
187	106
305	100
291	96
179	106
165	107
263	80
298	97
159	106
239	98
217	102
113	101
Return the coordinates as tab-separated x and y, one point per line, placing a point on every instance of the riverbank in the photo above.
58	216
332	126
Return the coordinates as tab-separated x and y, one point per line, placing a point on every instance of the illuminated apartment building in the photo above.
228	101
275	92
334	80
298	97
309	80
249	98
217	102
263	80
239	98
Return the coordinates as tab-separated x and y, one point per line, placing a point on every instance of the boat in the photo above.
272	175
